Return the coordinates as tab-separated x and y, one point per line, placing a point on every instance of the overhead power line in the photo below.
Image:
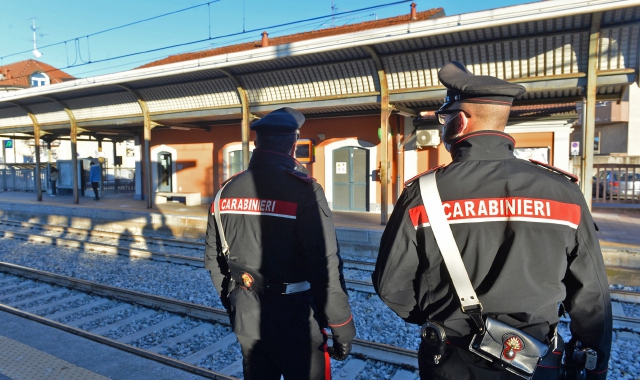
333	16
116	27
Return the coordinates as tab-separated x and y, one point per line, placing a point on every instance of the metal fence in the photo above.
12	179
117	180
114	180
616	183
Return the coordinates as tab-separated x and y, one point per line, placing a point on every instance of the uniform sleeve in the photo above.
588	301
394	276
317	238
214	262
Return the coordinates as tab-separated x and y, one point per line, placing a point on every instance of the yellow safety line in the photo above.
619	245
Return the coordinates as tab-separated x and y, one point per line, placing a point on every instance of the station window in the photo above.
232	162
235	162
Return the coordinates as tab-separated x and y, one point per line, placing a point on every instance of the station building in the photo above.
368	92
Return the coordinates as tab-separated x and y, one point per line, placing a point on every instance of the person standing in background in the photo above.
94	178
53	177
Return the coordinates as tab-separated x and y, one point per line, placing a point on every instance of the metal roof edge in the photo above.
456	23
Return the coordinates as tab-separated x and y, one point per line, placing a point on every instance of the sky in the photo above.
74	35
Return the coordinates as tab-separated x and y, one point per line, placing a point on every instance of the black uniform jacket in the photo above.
277	222
526	238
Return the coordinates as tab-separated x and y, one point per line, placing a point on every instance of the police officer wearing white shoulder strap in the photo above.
525	235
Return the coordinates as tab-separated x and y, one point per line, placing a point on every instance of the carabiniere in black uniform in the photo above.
280	231
528	243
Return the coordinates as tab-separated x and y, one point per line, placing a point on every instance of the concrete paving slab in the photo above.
85	353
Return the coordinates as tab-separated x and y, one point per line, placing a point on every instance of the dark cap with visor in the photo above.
283	121
464	86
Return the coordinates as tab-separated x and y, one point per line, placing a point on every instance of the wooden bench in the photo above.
190	199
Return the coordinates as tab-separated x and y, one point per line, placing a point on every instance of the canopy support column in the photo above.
385	112
73	136
589	125
148	126
246	118
36	145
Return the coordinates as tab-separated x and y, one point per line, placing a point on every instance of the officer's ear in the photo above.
462	123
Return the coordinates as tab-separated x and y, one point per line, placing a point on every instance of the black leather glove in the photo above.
339	351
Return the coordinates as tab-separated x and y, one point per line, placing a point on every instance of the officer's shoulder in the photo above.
301	176
412	180
553	169
232	178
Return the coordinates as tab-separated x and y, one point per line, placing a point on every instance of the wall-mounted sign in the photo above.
8	144
575	148
341	168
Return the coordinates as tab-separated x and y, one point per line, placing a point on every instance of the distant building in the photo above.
30	73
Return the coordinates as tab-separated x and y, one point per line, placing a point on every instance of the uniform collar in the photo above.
269	159
483	145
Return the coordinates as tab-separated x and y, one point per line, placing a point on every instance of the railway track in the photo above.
80	243
619	323
352	266
45	297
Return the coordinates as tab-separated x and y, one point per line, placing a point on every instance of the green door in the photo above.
350	179
164	172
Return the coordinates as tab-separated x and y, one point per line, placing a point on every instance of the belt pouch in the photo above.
246	277
514	350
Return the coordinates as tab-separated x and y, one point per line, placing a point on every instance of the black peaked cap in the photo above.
281	121
463	85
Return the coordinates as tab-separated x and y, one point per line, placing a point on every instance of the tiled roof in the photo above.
17	74
534	110
420	16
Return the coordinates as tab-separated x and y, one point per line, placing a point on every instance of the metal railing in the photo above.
616	183
12	179
115	180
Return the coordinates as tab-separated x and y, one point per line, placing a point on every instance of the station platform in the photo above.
30	350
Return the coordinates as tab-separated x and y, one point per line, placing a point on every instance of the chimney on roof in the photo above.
265	39
414	16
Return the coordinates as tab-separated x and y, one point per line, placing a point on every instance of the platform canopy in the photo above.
544	46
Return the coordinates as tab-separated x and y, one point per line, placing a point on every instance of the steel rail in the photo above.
372	350
168	242
118	345
357	285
